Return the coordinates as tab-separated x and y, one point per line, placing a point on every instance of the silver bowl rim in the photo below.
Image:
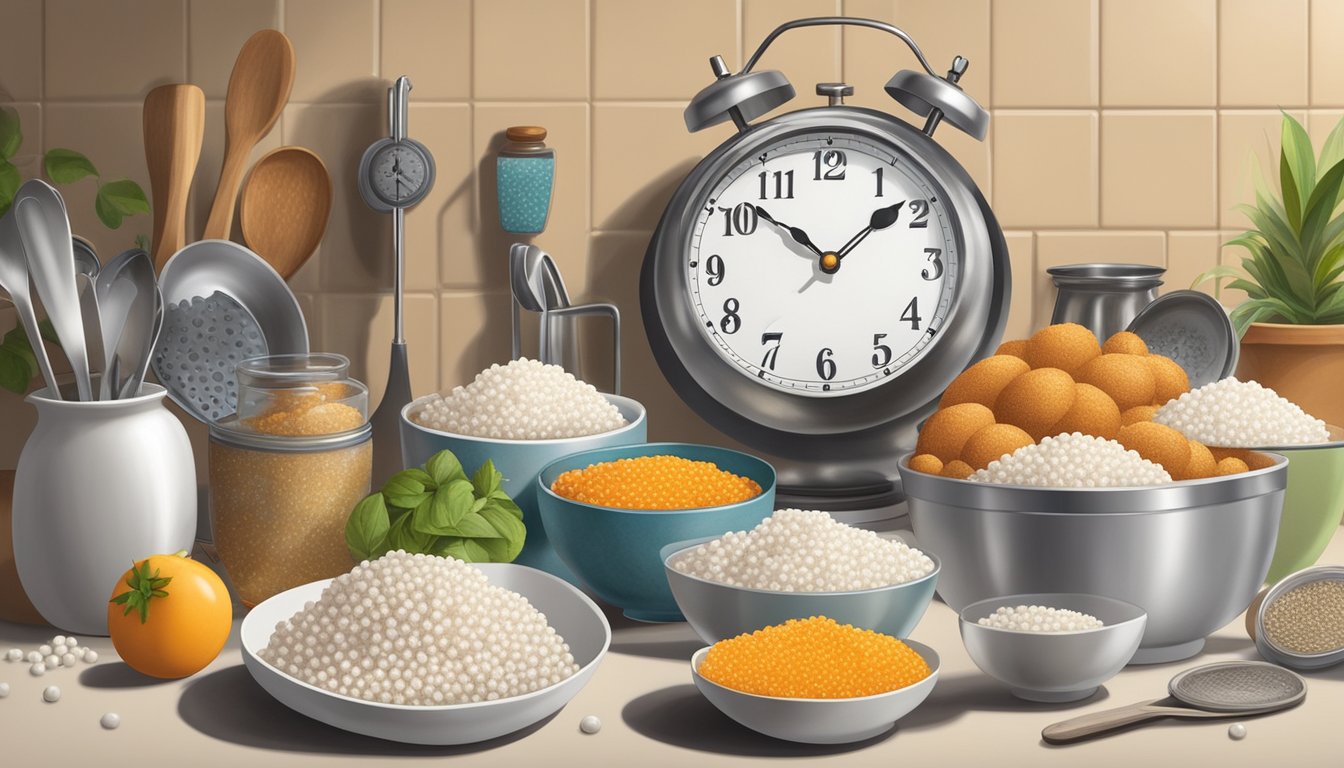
670	551
641	417
767	490
1136	500
1138	614
925	652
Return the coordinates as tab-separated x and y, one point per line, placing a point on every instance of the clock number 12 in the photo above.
832	162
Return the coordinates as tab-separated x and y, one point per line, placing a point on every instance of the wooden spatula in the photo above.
258	89
174	118
285	205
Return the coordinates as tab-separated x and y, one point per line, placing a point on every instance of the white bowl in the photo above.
573	615
819	721
1054	666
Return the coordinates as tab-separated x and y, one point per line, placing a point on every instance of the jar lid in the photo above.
229	432
1279	655
526	134
1193	329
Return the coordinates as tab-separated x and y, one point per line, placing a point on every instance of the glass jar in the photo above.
525	170
286	470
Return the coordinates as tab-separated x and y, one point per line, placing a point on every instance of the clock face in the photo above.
398	173
823	265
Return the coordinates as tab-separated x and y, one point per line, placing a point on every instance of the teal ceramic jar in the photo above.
525	170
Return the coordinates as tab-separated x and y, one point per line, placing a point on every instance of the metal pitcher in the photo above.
1103	298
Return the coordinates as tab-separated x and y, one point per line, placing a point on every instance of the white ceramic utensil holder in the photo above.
99	486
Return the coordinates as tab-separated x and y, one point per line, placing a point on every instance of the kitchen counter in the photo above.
651	713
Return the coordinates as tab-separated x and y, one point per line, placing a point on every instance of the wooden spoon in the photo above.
174	119
285	204
258	89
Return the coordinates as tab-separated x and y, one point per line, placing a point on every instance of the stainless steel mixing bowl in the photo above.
1192	554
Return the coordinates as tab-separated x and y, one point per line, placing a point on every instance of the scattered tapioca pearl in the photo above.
51	694
69	660
110	721
4	690
1236	731
90	656
13	654
53	661
33	657
44	650
37	670
590	724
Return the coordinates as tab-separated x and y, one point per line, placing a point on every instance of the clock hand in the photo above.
881	219
798	235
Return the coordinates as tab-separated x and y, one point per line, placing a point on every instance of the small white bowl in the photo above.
574	616
1054	666
819	721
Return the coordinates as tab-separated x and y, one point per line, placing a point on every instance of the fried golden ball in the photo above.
926	463
1124	343
982	382
1126	378
1093	413
1231	465
993	443
1252	459
1169	379
1066	346
1202	464
946	431
1138	413
1016	348
1159	444
957	469
1035	401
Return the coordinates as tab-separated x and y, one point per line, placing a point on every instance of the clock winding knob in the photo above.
835	92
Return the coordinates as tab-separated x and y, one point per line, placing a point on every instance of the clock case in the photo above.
838	452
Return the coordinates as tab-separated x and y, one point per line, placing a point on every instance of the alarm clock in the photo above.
819	279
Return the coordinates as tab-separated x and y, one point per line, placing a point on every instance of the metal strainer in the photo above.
1224	689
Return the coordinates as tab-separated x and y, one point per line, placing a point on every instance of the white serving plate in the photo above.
573	615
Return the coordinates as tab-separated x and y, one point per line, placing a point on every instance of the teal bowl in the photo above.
617	552
718	611
520	461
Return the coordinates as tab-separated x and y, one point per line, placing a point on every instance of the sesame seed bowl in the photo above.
1193	554
573	615
1053	666
819	721
716	610
520	461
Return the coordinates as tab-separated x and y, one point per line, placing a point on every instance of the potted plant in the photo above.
1292	322
114	201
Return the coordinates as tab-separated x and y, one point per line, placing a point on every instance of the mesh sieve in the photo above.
1236	686
203	340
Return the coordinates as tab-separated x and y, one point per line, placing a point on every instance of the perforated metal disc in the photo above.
1239	686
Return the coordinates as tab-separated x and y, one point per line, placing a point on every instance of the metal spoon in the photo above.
129	300
86	258
14	279
93	327
45	231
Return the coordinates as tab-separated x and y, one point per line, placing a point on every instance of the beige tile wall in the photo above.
1123	130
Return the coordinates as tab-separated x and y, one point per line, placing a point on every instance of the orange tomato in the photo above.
169	616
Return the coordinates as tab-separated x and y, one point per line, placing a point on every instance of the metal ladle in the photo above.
1224	689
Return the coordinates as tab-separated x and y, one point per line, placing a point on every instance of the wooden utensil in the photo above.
285	204
174	117
258	89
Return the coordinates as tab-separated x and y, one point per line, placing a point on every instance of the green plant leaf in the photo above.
443	467
1319	211
466	550
487	479
1332	151
442	514
125	196
14	371
474	526
502	501
11	133
498	550
107	214
408	488
367	527
402	535
66	166
1297	168
48	331
9	185
514	533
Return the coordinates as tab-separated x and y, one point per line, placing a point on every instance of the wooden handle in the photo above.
174	125
1086	726
220	223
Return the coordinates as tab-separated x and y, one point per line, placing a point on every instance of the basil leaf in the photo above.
467	550
479	504
407	489
443	467
125	196
440	514
402	535
511	529
474	526
487	479
107	213
65	166
14	372
9	185
11	135
366	529
508	505
497	549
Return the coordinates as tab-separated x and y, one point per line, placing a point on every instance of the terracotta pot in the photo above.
1304	363
14	604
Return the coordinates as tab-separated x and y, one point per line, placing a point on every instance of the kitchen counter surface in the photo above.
651	713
